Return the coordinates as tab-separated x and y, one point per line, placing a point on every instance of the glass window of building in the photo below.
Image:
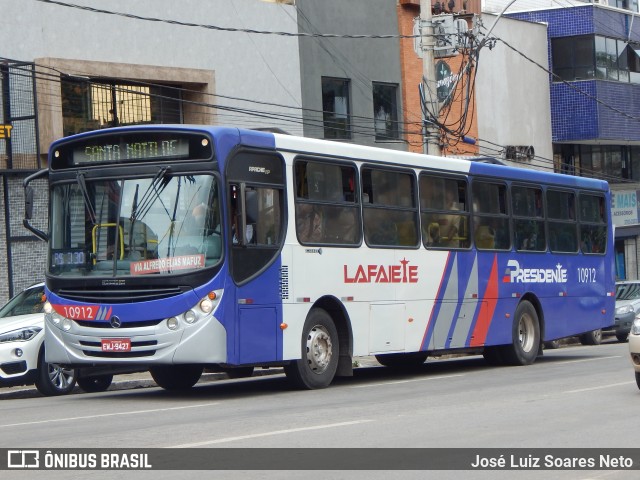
89	105
335	107
385	111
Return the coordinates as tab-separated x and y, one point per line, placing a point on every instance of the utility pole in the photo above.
432	132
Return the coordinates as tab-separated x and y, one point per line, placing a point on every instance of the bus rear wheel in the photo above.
319	350
176	377
525	335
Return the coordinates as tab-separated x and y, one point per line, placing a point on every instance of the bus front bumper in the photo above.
204	342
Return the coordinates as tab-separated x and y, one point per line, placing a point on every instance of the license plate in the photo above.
116	345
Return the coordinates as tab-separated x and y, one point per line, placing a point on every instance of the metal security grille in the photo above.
18	135
23	255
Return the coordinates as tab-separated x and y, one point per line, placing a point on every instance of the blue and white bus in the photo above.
179	248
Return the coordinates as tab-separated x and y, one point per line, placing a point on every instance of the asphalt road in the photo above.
576	396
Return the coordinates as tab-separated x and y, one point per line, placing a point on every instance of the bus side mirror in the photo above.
29	194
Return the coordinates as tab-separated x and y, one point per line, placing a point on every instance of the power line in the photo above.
218	28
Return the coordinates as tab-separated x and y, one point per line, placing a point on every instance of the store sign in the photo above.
5	131
445	81
624	207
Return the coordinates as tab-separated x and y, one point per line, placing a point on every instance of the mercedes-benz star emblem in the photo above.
115	322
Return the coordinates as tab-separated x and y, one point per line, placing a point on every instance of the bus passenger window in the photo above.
327	210
391	217
492	231
445	218
593	226
309	223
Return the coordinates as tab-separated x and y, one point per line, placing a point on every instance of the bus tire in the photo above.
525	335
95	384
638	379
53	379
176	377
593	337
319	351
402	360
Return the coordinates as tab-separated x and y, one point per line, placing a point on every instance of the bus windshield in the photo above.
162	225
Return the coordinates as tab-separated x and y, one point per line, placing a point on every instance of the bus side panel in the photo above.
571	291
256	336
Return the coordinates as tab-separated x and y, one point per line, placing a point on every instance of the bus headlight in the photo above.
209	303
173	323
206	305
190	317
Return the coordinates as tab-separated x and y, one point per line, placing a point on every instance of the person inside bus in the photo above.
485	236
449	223
235	222
309	223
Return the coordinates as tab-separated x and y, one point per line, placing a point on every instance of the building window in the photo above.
335	106
385	111
91	106
573	57
588	56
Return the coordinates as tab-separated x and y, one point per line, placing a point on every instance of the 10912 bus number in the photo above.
587	275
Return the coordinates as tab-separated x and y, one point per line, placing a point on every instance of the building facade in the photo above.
351	87
595	106
94	70
482	86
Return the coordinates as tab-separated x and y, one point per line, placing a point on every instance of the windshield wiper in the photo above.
157	185
85	195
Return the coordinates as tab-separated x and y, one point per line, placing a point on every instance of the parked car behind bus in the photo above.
22	360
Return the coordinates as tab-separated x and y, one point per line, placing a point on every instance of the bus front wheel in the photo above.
176	377
319	350
525	335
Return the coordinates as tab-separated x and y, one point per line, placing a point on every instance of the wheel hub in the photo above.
319	349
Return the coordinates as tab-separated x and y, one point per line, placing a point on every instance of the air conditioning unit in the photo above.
601	2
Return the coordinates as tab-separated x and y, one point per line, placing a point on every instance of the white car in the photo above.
21	346
634	347
22	359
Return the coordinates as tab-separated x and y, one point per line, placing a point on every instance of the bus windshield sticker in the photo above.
167	264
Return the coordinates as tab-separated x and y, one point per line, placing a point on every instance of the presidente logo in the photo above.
516	274
398	273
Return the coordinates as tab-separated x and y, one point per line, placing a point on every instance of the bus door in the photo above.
255	234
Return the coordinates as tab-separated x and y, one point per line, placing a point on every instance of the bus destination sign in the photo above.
129	147
118	152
